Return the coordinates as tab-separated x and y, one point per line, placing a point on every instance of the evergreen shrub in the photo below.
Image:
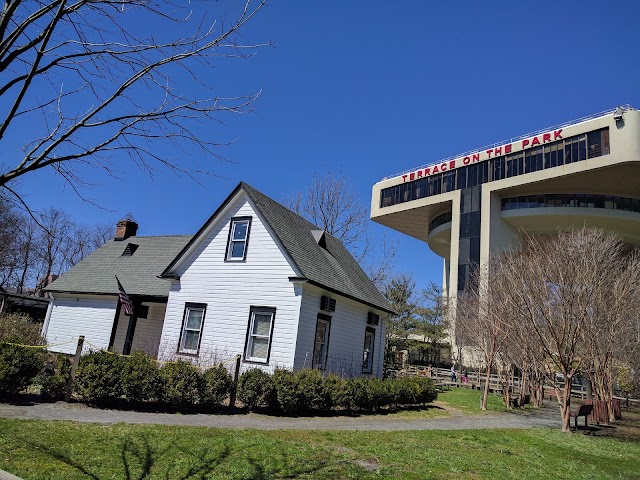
182	384
289	392
217	385
19	365
340	392
99	377
256	389
315	389
54	377
140	378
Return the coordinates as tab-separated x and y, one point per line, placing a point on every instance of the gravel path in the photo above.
544	417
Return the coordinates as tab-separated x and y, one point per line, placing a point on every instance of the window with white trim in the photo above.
238	238
367	356
258	344
321	342
192	328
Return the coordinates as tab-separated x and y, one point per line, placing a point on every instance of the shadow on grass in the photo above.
139	459
339	413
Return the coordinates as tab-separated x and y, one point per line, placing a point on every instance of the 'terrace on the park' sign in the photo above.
482	156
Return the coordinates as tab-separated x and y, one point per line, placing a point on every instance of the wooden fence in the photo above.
476	380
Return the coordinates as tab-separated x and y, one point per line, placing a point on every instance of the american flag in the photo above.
125	301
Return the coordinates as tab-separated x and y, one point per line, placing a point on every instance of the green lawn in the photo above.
67	450
468	401
463	400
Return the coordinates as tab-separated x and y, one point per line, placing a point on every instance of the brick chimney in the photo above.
125	228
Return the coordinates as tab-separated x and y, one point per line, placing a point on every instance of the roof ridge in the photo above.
156	236
315	227
343	272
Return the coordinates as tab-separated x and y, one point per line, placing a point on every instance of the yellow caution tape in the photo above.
74	340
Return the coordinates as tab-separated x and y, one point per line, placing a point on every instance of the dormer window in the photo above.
238	239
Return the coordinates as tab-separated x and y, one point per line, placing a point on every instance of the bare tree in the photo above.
609	333
479	314
329	203
27	260
530	359
31	250
83	240
560	298
51	245
9	244
98	80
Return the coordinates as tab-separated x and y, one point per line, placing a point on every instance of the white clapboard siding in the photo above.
72	316
148	330
346	337
229	289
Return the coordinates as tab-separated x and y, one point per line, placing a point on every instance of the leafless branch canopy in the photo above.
90	80
566	303
329	203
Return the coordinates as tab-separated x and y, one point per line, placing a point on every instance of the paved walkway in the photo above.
547	416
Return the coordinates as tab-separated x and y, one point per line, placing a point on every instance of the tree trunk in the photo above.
540	395
506	389
565	404
485	393
610	409
523	389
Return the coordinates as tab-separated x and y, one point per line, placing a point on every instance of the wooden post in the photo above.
74	367
236	375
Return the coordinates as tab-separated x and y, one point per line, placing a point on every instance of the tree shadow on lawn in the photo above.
139	460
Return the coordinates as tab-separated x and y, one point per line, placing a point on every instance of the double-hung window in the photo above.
258	344
321	342
367	357
192	328
238	239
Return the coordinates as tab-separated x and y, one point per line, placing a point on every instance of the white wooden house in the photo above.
256	280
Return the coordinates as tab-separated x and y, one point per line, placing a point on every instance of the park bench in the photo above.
583	411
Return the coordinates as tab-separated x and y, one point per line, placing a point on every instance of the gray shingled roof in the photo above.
137	273
333	268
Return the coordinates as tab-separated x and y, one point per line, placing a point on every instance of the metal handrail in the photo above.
623	108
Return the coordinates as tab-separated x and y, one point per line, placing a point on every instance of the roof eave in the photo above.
168	273
352	297
151	297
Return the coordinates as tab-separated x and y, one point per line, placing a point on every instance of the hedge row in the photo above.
309	391
105	378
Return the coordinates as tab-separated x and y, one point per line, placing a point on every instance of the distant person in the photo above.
465	376
453	373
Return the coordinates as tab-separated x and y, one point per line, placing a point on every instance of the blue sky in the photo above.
367	89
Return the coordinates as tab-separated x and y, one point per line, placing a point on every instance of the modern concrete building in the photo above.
585	172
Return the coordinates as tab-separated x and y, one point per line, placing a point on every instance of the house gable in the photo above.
231	289
236	206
